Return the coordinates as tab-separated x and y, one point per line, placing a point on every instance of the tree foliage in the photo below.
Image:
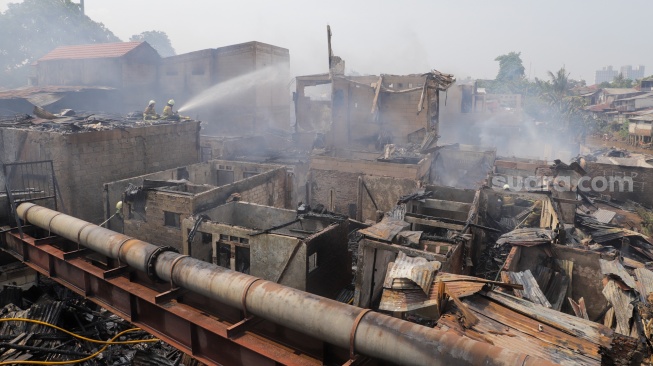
158	40
510	78
35	27
511	67
565	110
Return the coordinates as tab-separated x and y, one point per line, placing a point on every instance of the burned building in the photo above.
368	112
87	151
156	204
364	184
307	251
237	90
462	166
619	175
437	225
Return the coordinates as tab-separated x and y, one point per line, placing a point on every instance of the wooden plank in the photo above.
581	328
644	283
568	267
608	320
623	308
375	101
446	205
579	308
615	268
433	223
557	290
531	289
500	321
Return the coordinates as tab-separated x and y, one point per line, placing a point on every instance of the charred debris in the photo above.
358	202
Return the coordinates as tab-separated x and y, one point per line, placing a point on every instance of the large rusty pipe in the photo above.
376	335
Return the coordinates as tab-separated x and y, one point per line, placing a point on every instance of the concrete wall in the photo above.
333	261
246	84
642	188
281	256
83	162
334	182
267	188
354	124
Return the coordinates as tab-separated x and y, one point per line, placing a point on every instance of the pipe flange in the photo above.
172	267
26	211
352	335
79	233
151	262
243	299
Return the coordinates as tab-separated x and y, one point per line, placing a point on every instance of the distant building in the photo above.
633	74
607	74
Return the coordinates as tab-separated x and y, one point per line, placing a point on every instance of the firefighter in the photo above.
167	110
149	112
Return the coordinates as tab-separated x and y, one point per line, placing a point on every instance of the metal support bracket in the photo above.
76	253
115	272
242	326
48	240
169	295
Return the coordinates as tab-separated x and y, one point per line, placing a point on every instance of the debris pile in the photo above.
77	122
50	323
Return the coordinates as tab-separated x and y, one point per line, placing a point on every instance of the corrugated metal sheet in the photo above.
386	230
604	216
416	269
404	300
86	51
615	268
527	237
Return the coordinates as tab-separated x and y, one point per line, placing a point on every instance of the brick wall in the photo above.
83	162
642	178
334	183
152	229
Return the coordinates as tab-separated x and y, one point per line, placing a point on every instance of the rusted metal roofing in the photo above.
417	270
86	51
644	283
404	300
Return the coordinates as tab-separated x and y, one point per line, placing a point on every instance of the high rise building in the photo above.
632	73
607	74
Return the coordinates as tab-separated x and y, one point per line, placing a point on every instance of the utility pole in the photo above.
81	6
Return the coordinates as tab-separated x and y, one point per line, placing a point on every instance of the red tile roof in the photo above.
84	51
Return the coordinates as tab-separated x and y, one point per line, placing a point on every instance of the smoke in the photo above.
235	87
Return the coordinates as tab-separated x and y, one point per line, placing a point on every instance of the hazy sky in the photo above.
398	37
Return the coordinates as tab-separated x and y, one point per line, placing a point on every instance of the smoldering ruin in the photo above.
355	219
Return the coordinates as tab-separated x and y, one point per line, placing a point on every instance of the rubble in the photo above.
49	324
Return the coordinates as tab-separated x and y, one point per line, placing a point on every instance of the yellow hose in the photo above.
105	343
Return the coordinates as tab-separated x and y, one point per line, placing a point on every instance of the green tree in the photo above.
32	28
511	67
619	81
565	110
158	40
510	78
